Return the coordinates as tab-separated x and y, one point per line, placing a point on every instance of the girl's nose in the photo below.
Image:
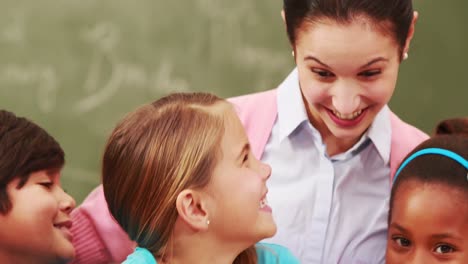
265	170
420	256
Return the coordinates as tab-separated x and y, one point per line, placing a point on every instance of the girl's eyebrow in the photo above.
399	227
435	236
445	236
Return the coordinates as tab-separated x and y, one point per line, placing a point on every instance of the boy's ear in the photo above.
192	210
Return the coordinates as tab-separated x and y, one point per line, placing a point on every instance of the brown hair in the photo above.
152	155
399	14
24	148
452	126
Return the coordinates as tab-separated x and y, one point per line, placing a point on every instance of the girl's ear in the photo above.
192	210
411	32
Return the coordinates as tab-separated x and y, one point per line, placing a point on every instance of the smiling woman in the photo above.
344	83
347	54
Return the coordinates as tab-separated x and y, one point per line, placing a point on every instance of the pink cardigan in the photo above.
99	239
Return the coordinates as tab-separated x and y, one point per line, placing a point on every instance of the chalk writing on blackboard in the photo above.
42	77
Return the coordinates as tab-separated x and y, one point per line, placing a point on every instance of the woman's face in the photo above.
429	224
347	73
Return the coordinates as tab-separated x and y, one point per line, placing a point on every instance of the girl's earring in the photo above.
292	53
207	222
405	55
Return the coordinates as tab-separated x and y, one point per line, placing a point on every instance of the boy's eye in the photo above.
444	249
402	242
322	73
369	73
47	185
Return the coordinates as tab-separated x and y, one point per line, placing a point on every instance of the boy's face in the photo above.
429	224
37	226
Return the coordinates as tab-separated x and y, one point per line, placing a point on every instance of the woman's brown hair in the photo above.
393	16
152	155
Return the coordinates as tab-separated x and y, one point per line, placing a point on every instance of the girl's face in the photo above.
347	73
238	210
37	227
429	224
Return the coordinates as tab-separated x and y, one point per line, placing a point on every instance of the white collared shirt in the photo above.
327	209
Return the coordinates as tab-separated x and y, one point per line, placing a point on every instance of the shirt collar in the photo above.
380	133
291	109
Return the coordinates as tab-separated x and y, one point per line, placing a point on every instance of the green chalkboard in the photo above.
76	67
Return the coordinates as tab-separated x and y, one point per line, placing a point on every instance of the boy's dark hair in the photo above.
24	148
435	168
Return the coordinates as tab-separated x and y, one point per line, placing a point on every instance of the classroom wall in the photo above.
76	67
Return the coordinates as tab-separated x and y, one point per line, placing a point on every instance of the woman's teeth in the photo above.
347	117
263	203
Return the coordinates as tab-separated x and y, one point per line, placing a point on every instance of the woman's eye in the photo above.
322	73
369	73
444	249
402	242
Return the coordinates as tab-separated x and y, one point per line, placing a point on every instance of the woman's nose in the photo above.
346	99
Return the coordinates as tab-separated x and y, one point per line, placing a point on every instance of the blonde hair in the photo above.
152	155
